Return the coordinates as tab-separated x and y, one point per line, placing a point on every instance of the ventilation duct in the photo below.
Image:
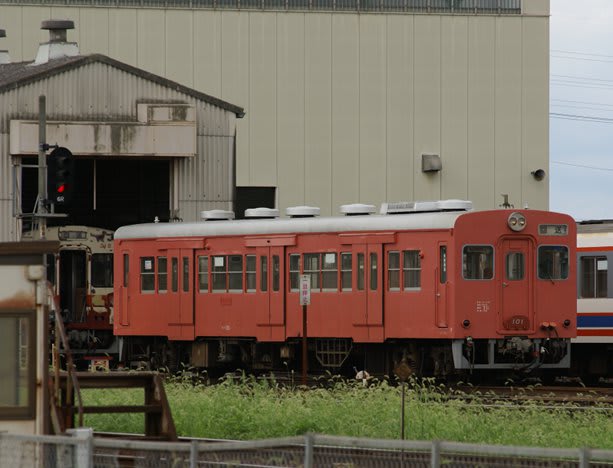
58	46
216	215
302	211
261	213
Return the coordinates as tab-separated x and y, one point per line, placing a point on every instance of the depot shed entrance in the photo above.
144	146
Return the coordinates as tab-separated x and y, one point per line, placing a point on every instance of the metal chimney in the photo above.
58	46
4	54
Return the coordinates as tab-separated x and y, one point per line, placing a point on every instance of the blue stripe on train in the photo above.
595	321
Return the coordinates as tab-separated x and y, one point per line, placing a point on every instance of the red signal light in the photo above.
61	188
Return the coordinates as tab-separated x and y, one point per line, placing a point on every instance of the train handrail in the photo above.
70	373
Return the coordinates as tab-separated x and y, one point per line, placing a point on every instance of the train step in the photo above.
67	408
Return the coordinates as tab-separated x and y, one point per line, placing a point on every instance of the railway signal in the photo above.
60	176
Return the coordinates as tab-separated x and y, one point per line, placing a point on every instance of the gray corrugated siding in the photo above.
98	92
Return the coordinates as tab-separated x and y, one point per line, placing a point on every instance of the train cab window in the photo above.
203	274
393	271
411	269
329	274
346	271
515	266
294	272
263	273
478	262
162	274
275	272
250	273
443	264
373	271
174	274
185	279
360	272
553	262
147	274
18	368
311	268
126	269
219	273
593	277
235	273
102	270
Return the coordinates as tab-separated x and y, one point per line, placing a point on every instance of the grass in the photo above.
258	409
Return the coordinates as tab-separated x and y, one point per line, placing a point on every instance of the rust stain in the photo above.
21	300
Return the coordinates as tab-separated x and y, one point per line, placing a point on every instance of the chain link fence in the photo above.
83	450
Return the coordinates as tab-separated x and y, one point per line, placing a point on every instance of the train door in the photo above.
516	280
72	267
440	288
181	286
270	295
368	284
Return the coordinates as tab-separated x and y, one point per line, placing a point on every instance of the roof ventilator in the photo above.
425	206
356	209
58	46
4	54
302	211
217	215
261	213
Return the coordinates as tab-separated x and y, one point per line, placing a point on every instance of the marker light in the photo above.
516	221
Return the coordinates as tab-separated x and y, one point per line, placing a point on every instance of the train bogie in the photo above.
441	289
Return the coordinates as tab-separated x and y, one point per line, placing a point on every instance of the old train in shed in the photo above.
436	285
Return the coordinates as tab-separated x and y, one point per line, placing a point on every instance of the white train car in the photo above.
593	347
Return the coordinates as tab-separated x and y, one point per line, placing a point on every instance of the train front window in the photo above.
102	270
147	274
553	262
515	266
478	262
594	277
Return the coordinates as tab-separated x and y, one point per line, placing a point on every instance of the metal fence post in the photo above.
193	454
435	458
84	452
584	457
308	451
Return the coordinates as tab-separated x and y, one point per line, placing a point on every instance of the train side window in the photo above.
126	269
594	277
275	272
311	268
553	262
515	266
478	262
250	273
175	274
411	269
235	273
162	274
360	272
443	263
263	273
346	267
18	348
147	275
185	274
329	273
219	273
294	272
373	271
203	274
393	271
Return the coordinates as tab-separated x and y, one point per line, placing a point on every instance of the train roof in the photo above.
365	223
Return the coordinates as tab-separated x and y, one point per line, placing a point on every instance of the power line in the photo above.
582	102
580	58
583	166
586	78
579	53
579	117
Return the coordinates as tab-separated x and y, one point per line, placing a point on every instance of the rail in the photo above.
472	7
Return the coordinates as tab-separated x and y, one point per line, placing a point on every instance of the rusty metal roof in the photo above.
15	75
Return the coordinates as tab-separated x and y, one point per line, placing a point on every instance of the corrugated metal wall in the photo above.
99	92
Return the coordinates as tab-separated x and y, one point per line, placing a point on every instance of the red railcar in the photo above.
434	284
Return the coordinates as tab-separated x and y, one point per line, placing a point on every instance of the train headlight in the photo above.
516	221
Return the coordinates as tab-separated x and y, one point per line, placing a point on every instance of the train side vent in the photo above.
356	209
302	211
425	206
261	213
216	215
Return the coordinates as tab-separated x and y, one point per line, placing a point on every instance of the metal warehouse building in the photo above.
144	146
346	100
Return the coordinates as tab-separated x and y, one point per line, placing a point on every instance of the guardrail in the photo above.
476	7
83	450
